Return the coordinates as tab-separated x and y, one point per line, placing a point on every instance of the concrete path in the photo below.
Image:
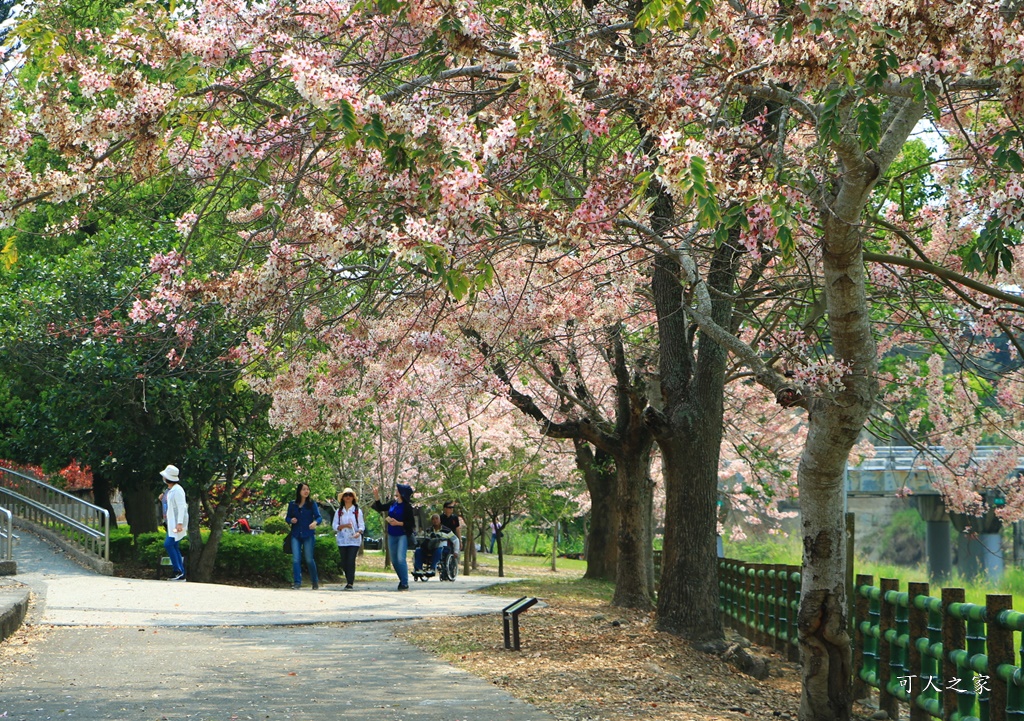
135	650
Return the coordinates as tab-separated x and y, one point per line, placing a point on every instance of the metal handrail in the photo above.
6	535
81	522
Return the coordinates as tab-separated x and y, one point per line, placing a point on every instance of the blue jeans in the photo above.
419	557
173	548
306	545
398	546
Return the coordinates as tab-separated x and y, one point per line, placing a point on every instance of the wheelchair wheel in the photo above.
450	567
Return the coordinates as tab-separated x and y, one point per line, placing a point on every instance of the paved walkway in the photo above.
136	650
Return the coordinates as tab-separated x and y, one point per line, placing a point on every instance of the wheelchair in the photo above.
447	567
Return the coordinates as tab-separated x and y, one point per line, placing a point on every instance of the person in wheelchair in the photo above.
437	545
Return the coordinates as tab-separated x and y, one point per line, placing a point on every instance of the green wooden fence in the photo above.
761	600
944	658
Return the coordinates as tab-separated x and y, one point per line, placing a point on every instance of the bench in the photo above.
510	616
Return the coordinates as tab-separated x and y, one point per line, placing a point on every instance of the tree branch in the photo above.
944	274
785	393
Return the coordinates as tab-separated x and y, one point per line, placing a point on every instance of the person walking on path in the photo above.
495	533
303	515
349	527
177	520
401	523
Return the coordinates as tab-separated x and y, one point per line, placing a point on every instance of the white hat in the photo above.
170	474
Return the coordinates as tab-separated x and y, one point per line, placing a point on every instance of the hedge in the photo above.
241	557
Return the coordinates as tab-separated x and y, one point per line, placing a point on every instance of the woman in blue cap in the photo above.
401	523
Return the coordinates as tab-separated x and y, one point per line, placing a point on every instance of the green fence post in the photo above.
741	596
976	649
1000	652
851	527
918	620
862	651
748	591
953	639
886	621
933	661
900	656
723	580
781	611
754	634
731	591
761	585
793	599
773	605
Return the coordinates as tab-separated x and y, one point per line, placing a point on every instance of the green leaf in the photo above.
344	116
869	124
786	243
1009	158
828	127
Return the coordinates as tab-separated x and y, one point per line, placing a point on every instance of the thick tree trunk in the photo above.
691	447
554	547
202	557
140	507
688	595
633	582
822	621
834	423
468	549
101	496
602	545
501	554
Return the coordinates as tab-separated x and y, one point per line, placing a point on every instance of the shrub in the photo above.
149	548
275	524
241	557
902	541
767	549
122	545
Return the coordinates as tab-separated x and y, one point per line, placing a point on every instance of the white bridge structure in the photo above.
906	470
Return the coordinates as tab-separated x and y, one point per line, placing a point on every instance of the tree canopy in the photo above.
731	191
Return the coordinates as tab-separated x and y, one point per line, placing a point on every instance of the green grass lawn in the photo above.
487	565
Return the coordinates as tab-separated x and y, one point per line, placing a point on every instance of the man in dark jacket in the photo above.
450	520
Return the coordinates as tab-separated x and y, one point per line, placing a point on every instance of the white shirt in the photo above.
346	536
177	512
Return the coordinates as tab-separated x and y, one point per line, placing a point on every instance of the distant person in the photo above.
432	547
163	508
401	523
349	527
450	520
176	518
303	516
495	533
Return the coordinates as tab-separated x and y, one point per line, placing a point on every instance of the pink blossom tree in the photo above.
740	148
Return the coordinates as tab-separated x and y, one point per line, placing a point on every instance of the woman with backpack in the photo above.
349	527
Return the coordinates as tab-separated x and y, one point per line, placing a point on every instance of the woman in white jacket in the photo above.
349	527
177	521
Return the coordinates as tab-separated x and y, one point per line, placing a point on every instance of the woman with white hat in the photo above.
177	520
348	523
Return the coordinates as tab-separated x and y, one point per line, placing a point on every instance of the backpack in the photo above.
355	506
